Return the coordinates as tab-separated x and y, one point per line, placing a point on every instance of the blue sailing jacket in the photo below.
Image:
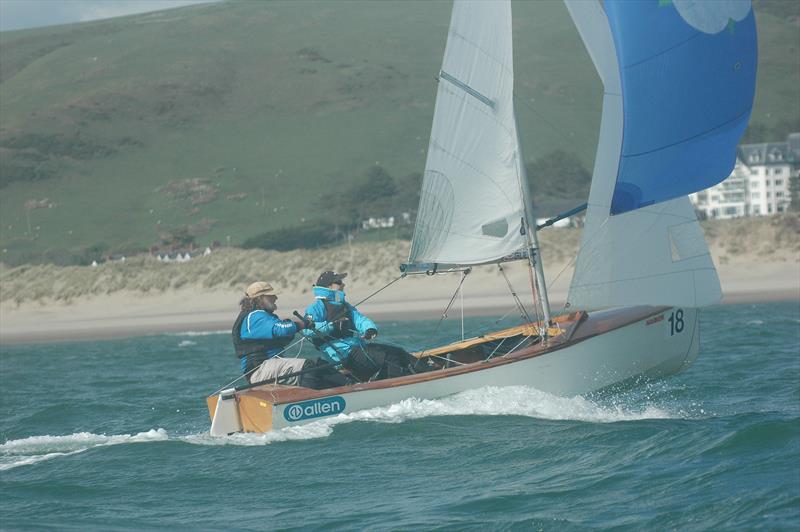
263	325
334	343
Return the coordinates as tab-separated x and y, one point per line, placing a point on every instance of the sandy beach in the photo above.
193	307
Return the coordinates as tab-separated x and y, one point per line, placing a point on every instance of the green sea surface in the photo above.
114	435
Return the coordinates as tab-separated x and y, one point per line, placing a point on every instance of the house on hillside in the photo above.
758	185
384	222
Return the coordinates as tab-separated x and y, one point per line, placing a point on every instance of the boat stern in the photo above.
232	412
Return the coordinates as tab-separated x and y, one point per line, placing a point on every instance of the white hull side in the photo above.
644	348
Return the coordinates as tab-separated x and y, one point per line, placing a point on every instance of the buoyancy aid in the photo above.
343	317
256	351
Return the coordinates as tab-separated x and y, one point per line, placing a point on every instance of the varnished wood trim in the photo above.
255	413
211	400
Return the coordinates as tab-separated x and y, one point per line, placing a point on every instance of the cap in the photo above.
260	288
329	277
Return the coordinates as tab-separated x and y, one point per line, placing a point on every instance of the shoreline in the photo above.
757	261
97	320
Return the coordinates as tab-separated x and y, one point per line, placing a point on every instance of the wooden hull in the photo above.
593	352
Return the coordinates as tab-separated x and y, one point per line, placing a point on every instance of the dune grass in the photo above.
373	263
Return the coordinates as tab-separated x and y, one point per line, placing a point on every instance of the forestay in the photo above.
656	254
471	203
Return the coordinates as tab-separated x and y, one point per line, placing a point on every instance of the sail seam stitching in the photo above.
692	270
687	139
495	60
478	171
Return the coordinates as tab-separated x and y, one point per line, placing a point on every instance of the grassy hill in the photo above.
227	120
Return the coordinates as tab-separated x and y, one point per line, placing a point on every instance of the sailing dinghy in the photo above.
679	80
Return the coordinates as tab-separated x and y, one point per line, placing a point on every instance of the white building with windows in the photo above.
758	185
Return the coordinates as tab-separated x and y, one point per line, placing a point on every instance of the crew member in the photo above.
339	328
259	335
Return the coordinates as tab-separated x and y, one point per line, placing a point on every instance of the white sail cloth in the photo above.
471	203
655	255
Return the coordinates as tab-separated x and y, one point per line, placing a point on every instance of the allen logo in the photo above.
311	409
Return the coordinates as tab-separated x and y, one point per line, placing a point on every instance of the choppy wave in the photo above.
26	451
186	343
488	401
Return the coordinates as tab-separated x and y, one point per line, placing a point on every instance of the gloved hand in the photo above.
303	322
370	334
306	323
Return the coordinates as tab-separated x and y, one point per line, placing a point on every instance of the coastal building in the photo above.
759	184
386	221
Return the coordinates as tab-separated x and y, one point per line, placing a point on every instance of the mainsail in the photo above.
679	83
471	207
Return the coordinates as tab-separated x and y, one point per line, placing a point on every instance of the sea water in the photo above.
114	435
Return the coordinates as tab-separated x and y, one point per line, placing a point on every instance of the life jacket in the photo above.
344	318
256	351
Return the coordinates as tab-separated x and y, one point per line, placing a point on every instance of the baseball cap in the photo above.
329	277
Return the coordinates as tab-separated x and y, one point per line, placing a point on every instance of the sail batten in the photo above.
466	88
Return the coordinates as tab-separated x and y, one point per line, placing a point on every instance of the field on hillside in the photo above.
774	239
227	120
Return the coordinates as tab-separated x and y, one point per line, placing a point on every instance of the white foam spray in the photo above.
488	401
26	451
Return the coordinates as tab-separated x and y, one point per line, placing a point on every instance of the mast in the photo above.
534	257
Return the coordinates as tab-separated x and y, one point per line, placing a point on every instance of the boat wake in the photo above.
26	451
488	401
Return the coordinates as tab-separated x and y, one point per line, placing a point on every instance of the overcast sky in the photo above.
20	14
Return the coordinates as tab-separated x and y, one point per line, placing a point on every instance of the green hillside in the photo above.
224	121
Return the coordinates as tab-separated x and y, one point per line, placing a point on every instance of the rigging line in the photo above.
380	290
520	306
461	296
536	298
495	349
575	259
243	375
456	362
447	308
478	331
515	347
543	119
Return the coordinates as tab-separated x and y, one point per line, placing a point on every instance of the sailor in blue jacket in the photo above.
339	328
259	335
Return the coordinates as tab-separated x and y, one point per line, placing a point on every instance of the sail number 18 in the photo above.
676	322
